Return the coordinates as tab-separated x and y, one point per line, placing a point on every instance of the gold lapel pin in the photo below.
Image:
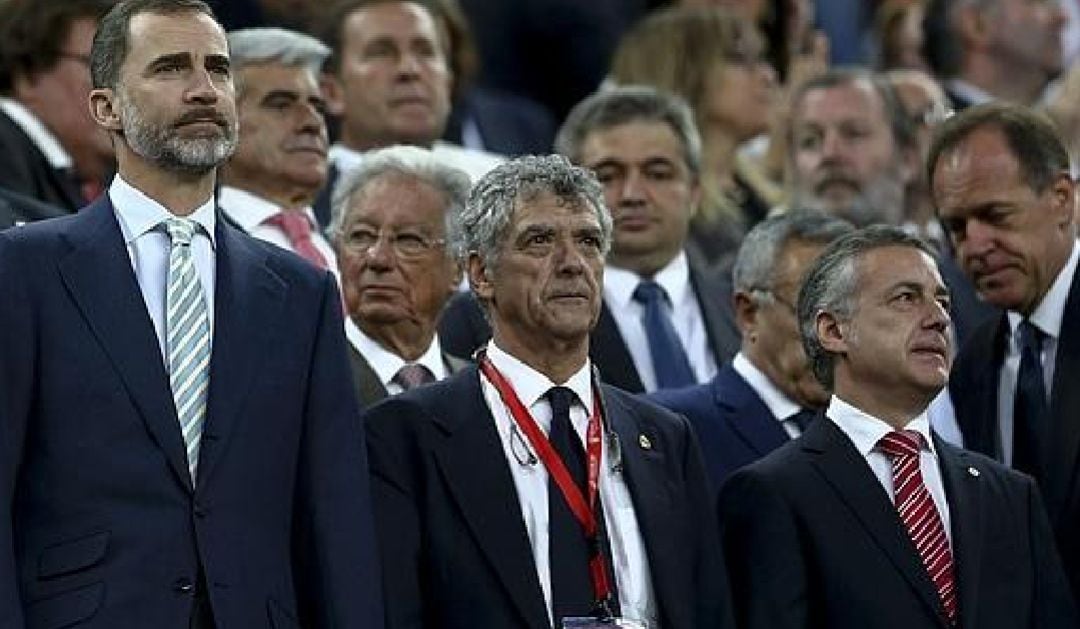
644	442
974	472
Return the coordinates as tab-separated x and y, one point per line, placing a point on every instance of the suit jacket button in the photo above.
184	585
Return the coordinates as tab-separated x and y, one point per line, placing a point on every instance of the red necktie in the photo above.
297	228
920	516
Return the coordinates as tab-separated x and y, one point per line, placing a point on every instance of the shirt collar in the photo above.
139	214
385	363
969	92
531	385
780	405
38	133
674	278
249	210
1050	312
865	430
344	157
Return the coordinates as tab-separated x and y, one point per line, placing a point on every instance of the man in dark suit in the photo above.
389	230
16	209
162	467
50	148
869	520
665	323
482	507
767	394
1001	183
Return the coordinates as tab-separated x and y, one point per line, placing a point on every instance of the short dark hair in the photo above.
831	285
331	29
1031	136
111	40
33	34
901	125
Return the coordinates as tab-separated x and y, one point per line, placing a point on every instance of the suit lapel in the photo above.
607	349
245	285
974	388
963	491
840	464
366	382
1064	412
98	274
724	339
743	408
476	472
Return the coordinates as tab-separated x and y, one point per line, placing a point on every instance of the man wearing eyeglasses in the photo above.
389	232
767	394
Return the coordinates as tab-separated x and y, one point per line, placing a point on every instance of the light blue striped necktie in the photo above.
188	327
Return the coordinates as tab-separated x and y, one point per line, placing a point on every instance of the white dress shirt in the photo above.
686	318
1047	317
865	431
251	212
386	364
148	245
779	404
38	133
636	598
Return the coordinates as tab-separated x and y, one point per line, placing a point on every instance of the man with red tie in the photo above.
280	164
869	519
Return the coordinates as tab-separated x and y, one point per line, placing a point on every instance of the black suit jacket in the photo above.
974	390
463	329
16	208
369	389
455	548
24	169
508	124
813	540
101	525
733	425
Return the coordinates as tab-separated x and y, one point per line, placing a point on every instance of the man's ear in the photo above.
455	278
479	277
1063	200
831	333
104	109
910	163
747	312
333	92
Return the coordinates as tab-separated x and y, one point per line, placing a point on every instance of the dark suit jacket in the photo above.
24	169
17	208
733	425
369	389
974	389
812	540
463	329
508	124
101	526
456	551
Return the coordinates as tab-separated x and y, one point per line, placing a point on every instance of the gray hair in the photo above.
616	106
831	286
249	46
405	161
482	226
755	264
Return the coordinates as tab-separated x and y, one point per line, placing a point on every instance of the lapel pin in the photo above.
644	442
974	472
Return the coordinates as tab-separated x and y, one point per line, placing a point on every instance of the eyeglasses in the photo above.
406	244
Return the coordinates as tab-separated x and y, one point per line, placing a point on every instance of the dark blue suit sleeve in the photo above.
1054	605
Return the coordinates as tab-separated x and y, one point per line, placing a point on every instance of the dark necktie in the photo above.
412	375
568	550
802	419
670	364
1030	415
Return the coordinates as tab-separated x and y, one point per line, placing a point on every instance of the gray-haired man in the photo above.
479	480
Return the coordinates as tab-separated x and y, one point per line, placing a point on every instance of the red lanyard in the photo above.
584	510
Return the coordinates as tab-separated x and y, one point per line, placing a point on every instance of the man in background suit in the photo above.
50	148
161	466
389	229
664	323
478	533
869	520
767	394
1001	183
279	166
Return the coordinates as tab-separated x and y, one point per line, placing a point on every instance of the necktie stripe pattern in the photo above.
920	516
187	326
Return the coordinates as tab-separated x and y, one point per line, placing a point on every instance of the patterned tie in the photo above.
412	375
920	516
297	229
670	364
1029	406
188	330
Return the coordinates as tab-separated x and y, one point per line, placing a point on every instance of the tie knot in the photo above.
649	292
413	375
181	230
900	443
560	398
802	418
294	223
1031	336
